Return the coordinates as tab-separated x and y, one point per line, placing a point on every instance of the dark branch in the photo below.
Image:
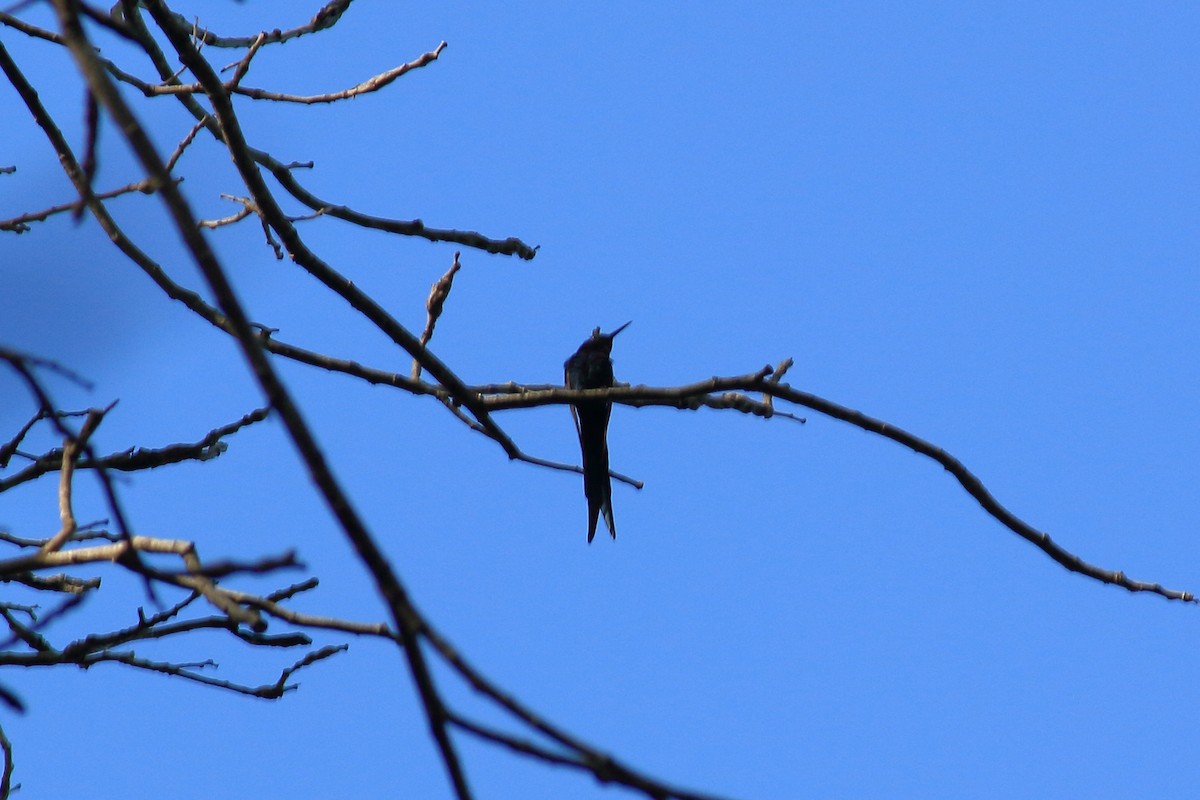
141	458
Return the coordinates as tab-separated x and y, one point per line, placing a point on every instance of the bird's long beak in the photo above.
618	330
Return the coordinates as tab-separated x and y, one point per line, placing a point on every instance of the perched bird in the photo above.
591	368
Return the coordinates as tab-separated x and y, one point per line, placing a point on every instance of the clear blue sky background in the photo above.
977	222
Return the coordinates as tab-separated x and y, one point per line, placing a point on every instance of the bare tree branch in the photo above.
135	459
388	583
438	293
372	84
325	18
20	224
6	785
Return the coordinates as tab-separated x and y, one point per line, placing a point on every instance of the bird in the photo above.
591	368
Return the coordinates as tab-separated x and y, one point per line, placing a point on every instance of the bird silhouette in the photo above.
591	368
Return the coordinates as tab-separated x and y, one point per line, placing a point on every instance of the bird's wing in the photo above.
574	414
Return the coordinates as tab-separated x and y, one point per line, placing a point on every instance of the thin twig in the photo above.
372	84
20	224
65	512
325	18
433	308
173	159
141	458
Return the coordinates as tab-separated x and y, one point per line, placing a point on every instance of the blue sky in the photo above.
975	222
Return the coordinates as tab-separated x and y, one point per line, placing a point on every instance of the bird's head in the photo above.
604	340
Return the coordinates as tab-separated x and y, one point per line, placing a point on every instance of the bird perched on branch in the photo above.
591	368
